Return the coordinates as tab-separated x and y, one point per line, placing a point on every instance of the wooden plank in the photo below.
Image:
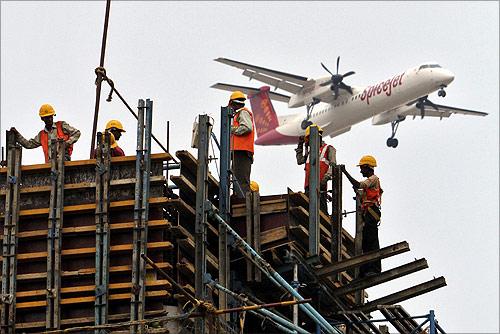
89	229
86	272
188	245
266	207
85	185
90	162
91	288
83	300
166	245
74	209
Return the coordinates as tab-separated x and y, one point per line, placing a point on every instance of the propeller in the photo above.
335	81
422	102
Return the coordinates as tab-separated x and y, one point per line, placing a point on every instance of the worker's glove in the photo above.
301	140
324	181
233	129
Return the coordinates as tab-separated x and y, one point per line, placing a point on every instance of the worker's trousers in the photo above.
242	166
370	241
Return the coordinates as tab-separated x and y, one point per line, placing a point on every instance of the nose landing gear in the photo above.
392	141
442	92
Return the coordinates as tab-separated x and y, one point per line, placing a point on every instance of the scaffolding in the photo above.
105	244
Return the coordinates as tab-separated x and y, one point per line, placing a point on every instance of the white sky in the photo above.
441	183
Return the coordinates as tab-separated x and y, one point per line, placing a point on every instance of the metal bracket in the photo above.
100	167
7	298
12	179
100	290
54	175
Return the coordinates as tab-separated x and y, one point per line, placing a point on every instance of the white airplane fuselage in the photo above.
376	101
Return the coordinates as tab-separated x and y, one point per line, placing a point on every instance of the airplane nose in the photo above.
447	76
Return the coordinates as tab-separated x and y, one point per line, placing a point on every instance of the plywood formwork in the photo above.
77	291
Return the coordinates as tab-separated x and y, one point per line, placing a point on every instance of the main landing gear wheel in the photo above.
442	92
305	123
392	141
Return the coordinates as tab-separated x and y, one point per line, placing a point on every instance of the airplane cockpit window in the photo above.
429	66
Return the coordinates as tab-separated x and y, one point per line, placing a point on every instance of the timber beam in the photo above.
383	277
402	295
356	261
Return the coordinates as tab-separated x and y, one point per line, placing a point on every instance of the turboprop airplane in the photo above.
341	106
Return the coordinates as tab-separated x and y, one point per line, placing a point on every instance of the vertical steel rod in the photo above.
49	313
314	143
204	129
137	216
336	226
358	243
145	208
99	78
99	241
224	201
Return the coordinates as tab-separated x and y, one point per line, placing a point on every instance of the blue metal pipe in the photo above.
306	307
432	327
291	327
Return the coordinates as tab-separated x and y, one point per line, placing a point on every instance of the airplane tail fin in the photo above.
263	111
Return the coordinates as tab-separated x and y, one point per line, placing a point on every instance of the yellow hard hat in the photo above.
367	160
254	186
308	130
46	110
237	95
115	124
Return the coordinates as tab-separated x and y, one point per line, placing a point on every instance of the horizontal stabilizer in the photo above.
250	90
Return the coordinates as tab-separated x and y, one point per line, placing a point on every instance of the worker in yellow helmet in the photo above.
254	186
242	140
371	198
57	130
327	159
115	128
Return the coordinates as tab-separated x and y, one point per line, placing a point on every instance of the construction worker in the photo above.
370	205
57	130
115	128
327	159
242	137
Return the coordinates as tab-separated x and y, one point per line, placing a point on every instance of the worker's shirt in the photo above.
74	135
244	121
331	157
372	192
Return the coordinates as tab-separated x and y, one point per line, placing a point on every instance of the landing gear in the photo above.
442	92
305	123
391	141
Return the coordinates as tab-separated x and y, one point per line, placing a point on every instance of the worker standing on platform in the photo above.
115	128
370	205
242	140
58	130
327	159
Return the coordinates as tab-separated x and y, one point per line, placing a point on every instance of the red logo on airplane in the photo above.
384	86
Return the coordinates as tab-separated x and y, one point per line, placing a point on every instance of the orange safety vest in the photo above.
44	140
324	164
245	142
372	195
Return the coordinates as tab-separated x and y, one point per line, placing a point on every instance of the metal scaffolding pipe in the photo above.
270	272
276	318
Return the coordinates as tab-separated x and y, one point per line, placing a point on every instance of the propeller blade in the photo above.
349	73
345	87
338	61
326	69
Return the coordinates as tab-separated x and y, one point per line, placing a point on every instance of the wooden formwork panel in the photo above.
79	242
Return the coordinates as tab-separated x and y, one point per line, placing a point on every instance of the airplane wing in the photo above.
250	90
289	82
443	111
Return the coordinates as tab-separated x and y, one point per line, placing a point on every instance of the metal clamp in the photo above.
7	298
100	290
12	179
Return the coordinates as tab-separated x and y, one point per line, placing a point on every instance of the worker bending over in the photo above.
57	130
327	159
370	205
115	128
242	137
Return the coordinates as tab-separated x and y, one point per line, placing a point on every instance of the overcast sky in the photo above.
441	183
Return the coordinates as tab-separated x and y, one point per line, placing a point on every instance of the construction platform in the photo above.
73	235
